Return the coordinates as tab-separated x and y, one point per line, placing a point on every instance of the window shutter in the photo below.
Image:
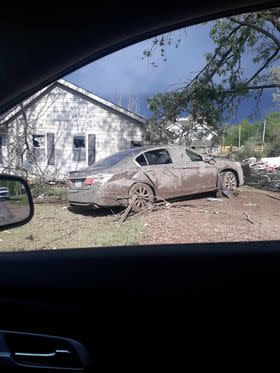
50	148
1	153
91	149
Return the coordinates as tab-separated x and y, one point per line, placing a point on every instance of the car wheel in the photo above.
228	181
143	195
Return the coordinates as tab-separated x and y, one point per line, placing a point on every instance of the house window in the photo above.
135	144
79	144
1	152
38	147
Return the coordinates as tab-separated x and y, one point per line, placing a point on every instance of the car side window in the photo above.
141	160
193	156
158	156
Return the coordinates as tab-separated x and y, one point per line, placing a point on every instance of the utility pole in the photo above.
239	136
264	125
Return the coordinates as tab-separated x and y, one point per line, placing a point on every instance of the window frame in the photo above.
149	150
39	152
194	153
139	155
85	148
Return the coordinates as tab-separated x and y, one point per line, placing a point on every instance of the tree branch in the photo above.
257	28
263	66
253	87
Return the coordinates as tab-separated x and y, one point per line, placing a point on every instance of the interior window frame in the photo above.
139	155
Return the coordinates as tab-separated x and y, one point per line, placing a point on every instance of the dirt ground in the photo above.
252	215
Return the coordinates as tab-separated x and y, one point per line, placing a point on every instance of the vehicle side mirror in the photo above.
16	203
209	160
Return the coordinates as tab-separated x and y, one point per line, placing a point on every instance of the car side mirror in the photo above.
16	203
210	160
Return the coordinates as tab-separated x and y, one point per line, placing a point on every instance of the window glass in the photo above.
79	143
38	147
158	156
209	91
113	159
193	156
136	144
141	160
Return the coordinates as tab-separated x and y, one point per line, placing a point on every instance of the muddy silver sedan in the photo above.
148	174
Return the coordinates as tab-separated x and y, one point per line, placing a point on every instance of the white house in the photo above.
65	128
197	134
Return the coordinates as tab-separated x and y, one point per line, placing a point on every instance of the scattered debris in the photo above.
230	193
247	217
6	232
41	196
261	174
272	196
127	210
31	238
212	199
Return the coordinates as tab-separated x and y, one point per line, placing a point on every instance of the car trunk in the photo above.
78	179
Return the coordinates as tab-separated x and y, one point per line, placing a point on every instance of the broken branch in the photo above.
247	217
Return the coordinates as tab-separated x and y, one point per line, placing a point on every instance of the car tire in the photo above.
228	181
144	196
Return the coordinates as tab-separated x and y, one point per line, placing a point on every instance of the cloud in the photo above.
126	73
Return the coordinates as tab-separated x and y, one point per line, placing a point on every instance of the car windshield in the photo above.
113	159
174	139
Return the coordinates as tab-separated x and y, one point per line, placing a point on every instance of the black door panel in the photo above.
127	317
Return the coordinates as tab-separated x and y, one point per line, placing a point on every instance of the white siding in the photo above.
67	114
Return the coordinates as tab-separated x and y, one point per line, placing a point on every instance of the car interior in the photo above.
178	307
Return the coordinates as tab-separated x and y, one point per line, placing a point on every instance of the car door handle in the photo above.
46	355
24	350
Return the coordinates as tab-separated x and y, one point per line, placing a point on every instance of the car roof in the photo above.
73	37
141	149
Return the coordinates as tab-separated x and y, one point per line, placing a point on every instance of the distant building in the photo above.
197	134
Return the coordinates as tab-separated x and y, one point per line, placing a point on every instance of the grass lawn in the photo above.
54	227
19	199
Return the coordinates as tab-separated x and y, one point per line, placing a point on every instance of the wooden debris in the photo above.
229	193
247	217
127	211
272	196
31	238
